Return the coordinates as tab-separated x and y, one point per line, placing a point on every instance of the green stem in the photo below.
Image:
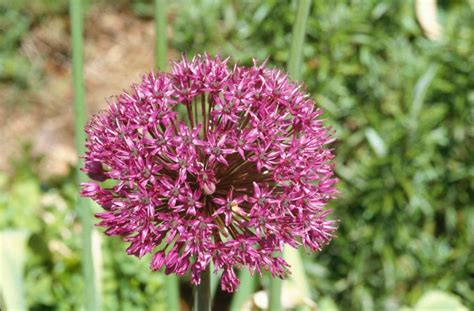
161	49
245	290
91	299
294	70
274	294
171	281
172	292
202	292
215	278
297	41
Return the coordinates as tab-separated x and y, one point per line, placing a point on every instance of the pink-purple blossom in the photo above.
213	163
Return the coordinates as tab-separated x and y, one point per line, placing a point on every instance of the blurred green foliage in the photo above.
53	279
403	108
13	66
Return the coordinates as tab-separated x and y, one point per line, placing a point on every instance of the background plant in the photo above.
403	109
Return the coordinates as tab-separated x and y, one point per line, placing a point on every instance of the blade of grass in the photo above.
160	35
298	276
215	278
97	260
245	290
421	89
294	71
171	281
91	298
12	265
274	294
202	292
172	292
376	142
297	40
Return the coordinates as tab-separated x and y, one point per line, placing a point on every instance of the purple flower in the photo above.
213	163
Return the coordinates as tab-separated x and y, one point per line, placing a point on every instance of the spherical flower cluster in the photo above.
212	162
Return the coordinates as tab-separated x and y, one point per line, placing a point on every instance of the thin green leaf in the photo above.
215	280
92	296
420	91
439	300
161	46
376	142
297	41
294	70
12	262
161	61
245	290
172	292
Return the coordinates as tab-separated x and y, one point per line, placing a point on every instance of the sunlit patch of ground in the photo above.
118	49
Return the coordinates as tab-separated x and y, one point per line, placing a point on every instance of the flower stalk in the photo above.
91	298
202	292
274	295
161	48
247	288
294	71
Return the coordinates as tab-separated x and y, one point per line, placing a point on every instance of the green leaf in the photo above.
245	290
327	304
438	300
376	142
12	261
421	89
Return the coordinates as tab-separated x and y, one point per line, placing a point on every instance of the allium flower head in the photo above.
212	163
